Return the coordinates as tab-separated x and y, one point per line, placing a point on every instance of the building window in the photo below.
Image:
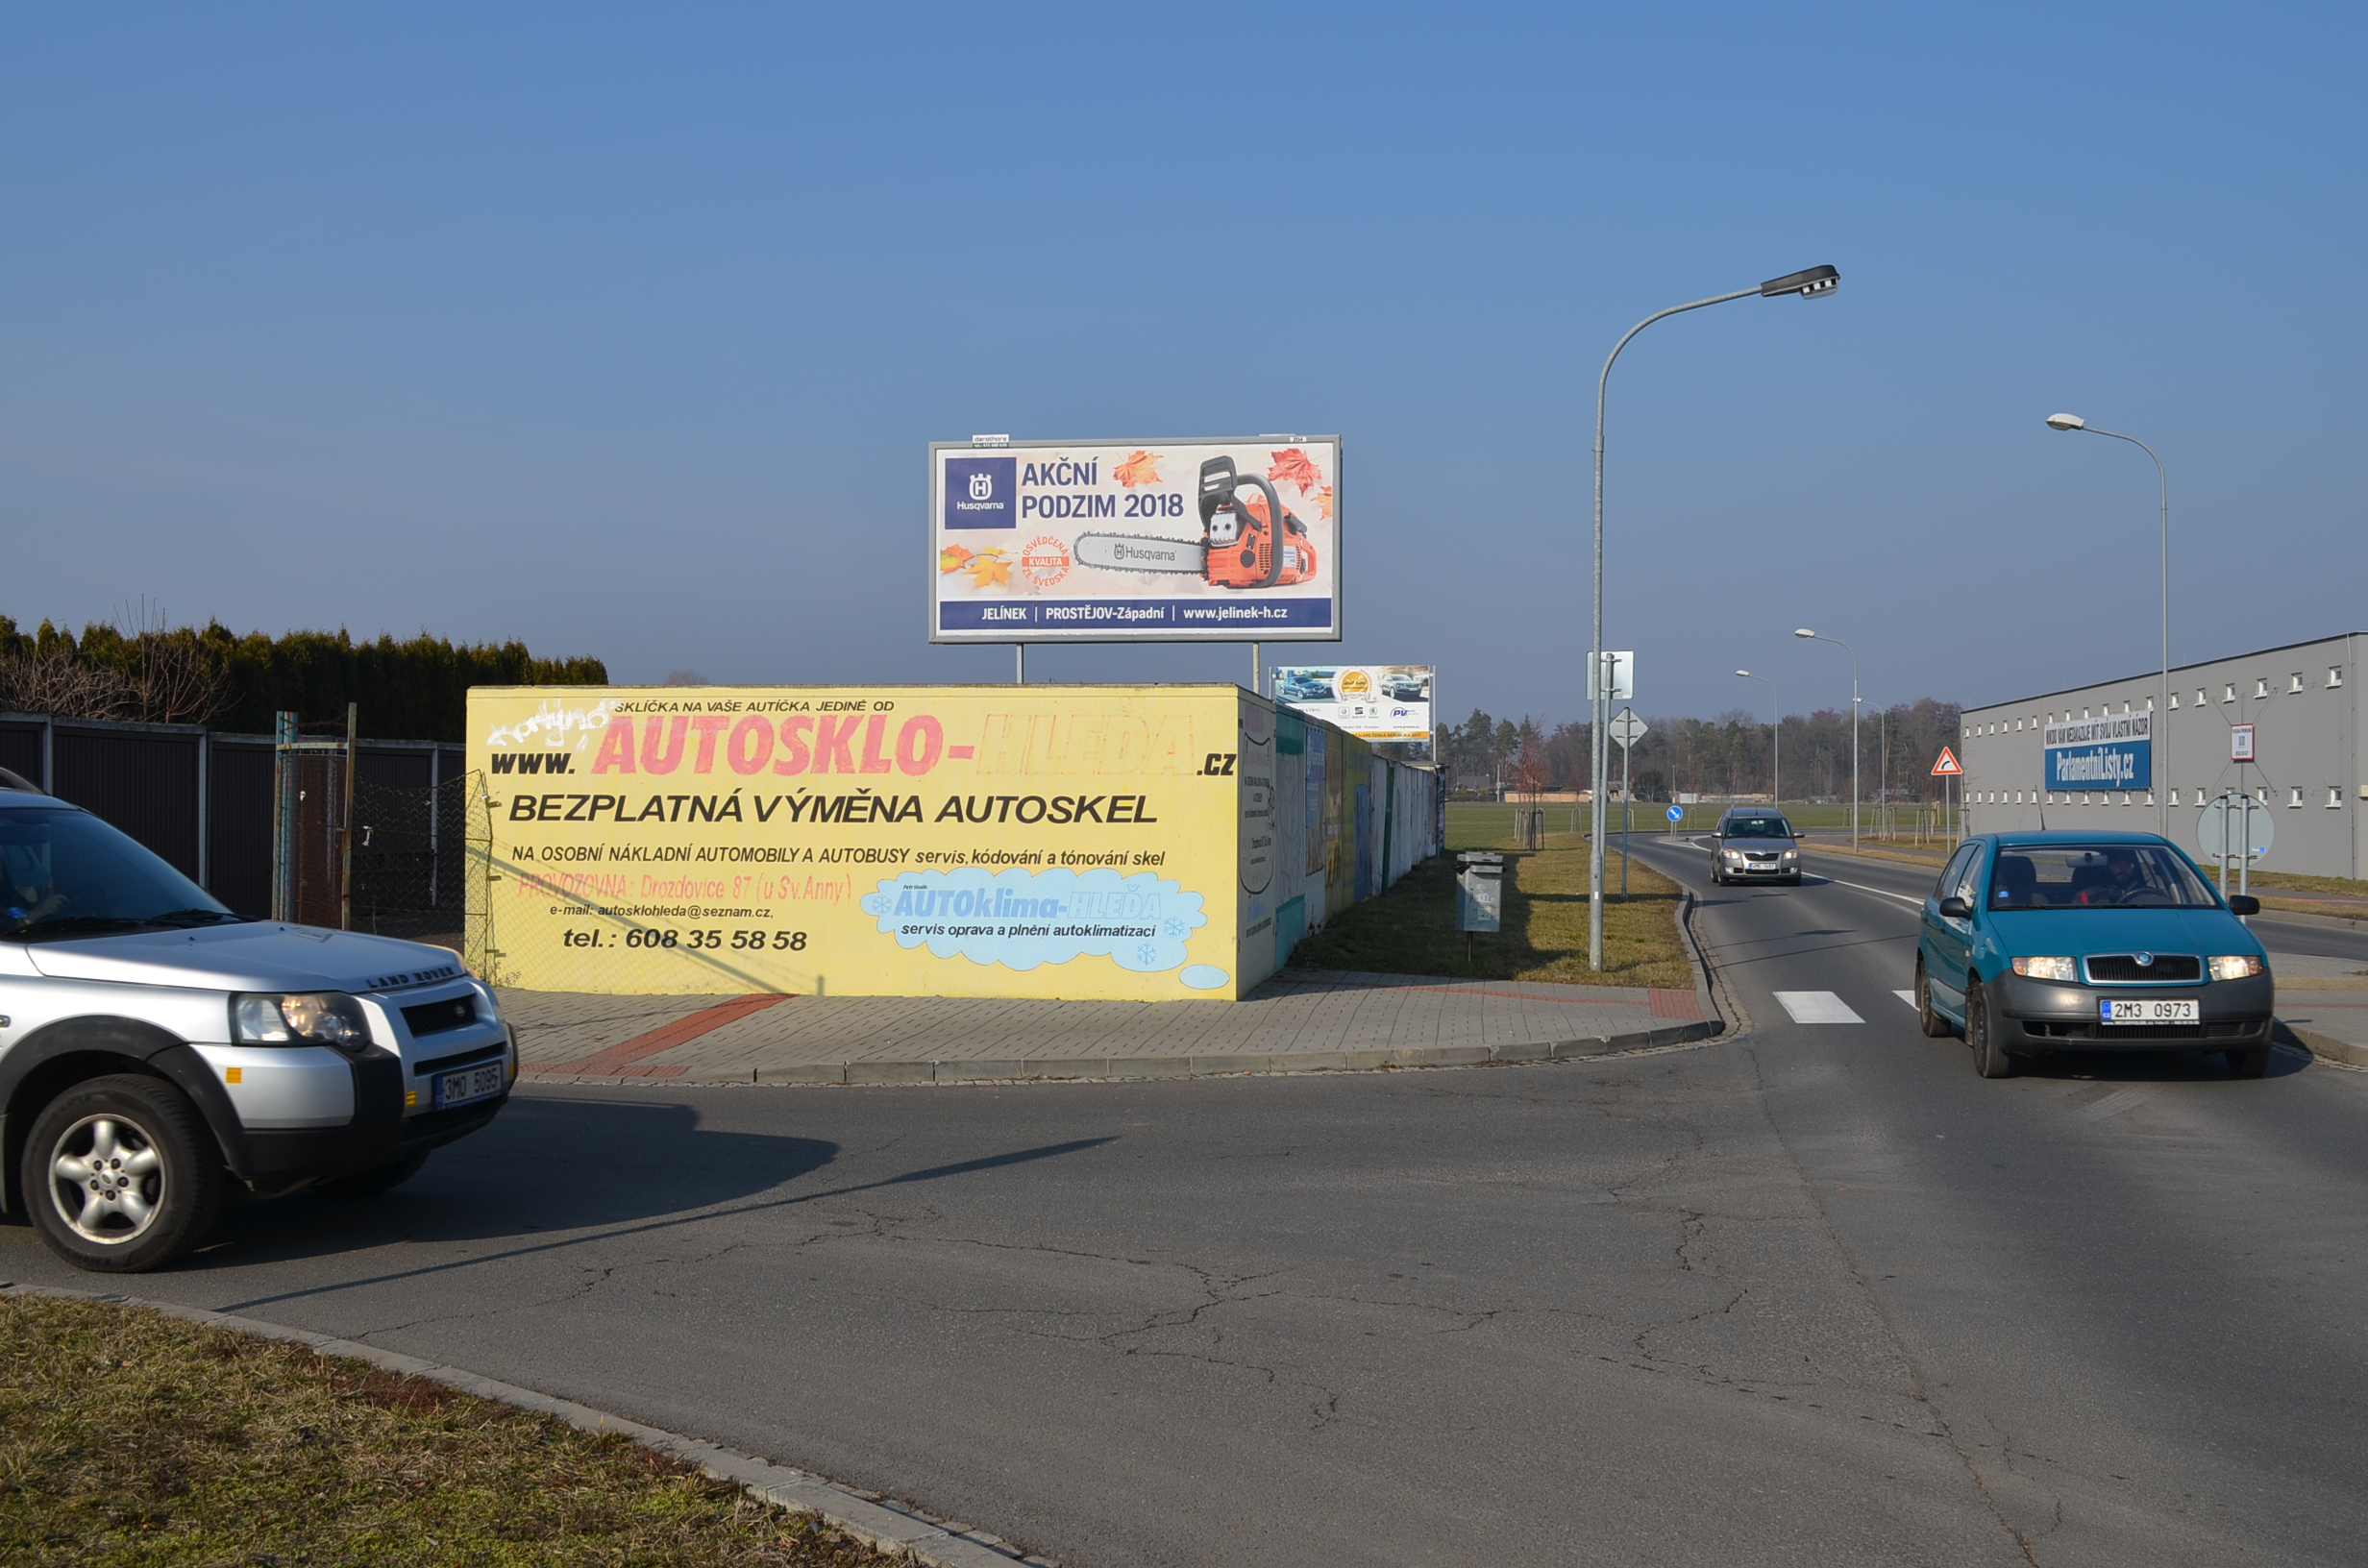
2174	797
2335	675
2295	684
2260	687
2125	707
2199	699
2334	798
2150	797
2174	701
2298	798
2229	695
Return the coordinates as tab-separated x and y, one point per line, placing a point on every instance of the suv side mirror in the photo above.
1954	908
2244	903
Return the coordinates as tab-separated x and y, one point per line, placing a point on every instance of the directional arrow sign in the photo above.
1677	814
1948	764
1626	727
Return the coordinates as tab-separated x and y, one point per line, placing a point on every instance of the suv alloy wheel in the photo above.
120	1174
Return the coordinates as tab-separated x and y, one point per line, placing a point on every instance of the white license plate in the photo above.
479	1083
2150	1010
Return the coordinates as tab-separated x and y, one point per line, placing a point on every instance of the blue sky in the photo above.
624	331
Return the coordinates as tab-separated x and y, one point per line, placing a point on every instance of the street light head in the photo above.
1803	632
1813	285
2067	421
1742	672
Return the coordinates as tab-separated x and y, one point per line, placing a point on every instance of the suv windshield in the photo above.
65	874
2096	877
1754	827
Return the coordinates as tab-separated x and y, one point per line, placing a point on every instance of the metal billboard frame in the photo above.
1040	635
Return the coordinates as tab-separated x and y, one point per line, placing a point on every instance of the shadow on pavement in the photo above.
2146	1067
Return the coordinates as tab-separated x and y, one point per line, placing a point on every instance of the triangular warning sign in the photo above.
1947	764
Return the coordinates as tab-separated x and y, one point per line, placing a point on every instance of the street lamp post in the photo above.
1854	727
1813	283
1776	731
2158	744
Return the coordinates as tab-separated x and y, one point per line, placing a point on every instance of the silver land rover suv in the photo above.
157	1050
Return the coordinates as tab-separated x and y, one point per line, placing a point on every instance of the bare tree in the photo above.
57	681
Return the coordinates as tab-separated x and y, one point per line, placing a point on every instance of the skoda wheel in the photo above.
1988	1059
1927	1016
120	1175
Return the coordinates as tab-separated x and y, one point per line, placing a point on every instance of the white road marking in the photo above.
1816	1007
1907	996
1916	903
2112	1105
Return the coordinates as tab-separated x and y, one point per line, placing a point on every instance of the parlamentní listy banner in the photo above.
1120	842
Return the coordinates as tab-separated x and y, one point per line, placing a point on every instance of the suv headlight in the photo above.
2235	967
303	1018
2047	969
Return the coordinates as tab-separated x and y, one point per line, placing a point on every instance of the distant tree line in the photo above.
1726	755
139	668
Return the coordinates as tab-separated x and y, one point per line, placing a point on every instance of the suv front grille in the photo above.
2124	970
435	1017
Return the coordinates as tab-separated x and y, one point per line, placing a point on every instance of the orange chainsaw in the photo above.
1238	545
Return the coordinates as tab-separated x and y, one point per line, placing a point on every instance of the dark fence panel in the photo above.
144	782
20	751
238	805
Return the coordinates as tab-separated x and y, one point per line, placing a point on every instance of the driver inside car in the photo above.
2121	880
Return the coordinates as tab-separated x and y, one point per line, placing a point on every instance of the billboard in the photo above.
1373	701
1117	541
2113	753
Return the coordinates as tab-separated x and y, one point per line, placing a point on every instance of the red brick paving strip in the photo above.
617	1061
1677	1004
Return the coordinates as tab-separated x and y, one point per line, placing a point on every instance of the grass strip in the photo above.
141	1441
1411	928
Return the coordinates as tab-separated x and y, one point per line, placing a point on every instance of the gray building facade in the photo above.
2311	766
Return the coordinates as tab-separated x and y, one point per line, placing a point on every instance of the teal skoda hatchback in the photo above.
2089	941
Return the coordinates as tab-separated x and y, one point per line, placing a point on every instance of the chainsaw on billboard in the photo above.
1246	542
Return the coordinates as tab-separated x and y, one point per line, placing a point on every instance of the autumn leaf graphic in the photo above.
1292	467
951	558
988	568
1143	468
1324	500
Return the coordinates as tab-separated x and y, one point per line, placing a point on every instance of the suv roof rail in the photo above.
17	781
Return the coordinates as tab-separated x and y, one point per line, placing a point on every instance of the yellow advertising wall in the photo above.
974	841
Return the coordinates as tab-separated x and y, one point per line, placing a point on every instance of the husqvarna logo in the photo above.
980	491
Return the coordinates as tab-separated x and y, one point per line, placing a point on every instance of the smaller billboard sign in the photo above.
1372	701
2113	753
2240	742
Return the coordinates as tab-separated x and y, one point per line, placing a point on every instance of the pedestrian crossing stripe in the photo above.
1907	996
1816	1007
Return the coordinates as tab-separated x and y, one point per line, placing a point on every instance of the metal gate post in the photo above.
345	828
284	817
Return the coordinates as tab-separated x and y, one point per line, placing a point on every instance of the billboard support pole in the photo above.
1257	673
1019	674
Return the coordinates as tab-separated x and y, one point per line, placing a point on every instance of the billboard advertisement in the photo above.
1217	540
2113	753
877	841
1373	701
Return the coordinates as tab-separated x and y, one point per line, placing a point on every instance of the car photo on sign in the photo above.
1375	701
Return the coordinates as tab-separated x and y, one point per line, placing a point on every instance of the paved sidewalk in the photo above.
1303	1021
2323	1002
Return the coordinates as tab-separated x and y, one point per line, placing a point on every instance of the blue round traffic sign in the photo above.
1677	814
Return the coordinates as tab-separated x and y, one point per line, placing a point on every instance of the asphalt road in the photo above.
1816	1297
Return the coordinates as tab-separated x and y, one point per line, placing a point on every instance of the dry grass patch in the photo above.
1410	929
141	1441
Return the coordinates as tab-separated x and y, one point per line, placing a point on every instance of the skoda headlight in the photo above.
1793	854
303	1018
2236	966
1735	855
2047	969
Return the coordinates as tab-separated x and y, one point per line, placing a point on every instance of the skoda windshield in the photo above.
65	874
2096	877
1754	827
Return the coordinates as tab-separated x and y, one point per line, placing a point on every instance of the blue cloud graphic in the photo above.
1021	919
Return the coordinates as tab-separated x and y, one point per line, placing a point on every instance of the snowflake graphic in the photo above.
1172	928
1147	952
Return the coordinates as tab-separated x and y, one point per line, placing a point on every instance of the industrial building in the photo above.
2101	756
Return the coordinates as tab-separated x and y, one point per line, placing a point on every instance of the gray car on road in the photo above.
1755	844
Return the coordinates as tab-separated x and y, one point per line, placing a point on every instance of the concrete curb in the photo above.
879	1523
2341	922
2341	1052
1087	1068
